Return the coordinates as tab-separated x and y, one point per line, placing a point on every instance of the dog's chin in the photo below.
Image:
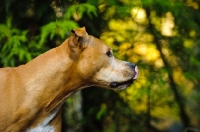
121	85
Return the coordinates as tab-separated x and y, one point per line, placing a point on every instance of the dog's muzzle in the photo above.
128	82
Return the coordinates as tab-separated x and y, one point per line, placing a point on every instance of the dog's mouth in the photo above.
125	84
121	85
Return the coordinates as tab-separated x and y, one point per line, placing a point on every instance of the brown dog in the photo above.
32	94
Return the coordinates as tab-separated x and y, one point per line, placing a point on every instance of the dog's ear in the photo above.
78	39
80	32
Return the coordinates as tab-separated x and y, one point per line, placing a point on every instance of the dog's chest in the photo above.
41	128
44	126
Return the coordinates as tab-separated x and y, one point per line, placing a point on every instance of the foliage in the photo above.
161	37
18	46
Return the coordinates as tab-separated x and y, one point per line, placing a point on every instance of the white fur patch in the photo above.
45	127
41	128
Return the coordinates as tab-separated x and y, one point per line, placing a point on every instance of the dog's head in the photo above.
96	64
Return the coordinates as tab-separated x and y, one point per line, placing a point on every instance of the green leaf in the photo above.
80	9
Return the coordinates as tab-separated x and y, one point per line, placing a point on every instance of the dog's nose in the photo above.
132	65
135	68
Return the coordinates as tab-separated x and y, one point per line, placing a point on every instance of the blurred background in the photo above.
161	36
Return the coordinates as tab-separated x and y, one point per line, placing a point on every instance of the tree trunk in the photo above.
177	96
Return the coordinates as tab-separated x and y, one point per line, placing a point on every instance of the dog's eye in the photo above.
109	53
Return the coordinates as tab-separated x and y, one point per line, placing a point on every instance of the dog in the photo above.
32	95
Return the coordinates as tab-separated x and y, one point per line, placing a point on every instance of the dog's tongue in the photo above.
136	72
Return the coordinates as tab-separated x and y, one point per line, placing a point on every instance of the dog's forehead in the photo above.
99	44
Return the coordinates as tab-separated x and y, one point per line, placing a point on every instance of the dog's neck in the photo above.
53	87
